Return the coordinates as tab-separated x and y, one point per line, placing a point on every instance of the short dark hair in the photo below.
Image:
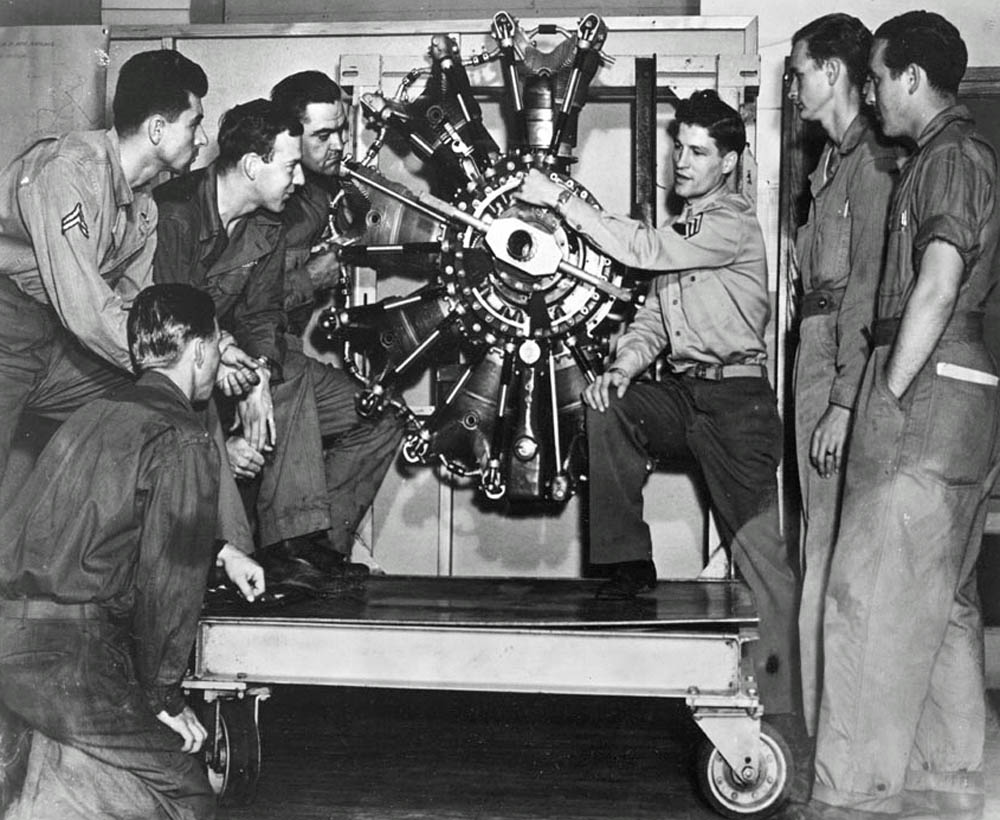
841	36
723	122
155	82
297	91
928	40
163	319
251	128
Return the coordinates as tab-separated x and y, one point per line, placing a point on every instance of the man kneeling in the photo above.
104	558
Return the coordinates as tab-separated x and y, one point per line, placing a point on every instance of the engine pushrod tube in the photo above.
445	212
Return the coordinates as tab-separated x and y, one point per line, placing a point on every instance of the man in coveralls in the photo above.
322	213
840	251
103	563
708	309
901	722
220	230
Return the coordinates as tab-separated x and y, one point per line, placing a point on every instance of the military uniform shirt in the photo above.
74	235
709	303
243	271
842	245
947	193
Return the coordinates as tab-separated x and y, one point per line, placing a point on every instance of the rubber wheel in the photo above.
730	795
233	750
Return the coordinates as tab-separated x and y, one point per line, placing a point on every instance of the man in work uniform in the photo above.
323	210
321	214
220	230
104	556
708	306
901	724
77	237
840	253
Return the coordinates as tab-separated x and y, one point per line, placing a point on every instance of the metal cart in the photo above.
687	639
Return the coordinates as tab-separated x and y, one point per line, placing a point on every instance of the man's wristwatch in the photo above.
619	370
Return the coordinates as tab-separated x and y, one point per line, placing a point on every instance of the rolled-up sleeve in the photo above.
964	196
61	210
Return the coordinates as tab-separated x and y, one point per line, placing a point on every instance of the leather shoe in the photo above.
942	805
317	551
628	579
284	569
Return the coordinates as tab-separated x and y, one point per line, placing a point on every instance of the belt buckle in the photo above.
709	372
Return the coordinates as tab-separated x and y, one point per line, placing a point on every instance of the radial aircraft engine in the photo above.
515	308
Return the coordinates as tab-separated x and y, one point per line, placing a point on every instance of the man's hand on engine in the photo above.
538	189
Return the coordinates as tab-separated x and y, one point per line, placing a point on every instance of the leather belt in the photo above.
39	609
718	372
963	327
820	302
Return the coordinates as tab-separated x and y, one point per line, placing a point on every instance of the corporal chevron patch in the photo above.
74	219
689	227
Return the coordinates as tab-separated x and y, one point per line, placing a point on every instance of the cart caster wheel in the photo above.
232	750
731	795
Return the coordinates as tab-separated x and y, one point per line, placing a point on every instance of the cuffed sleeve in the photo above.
176	548
259	314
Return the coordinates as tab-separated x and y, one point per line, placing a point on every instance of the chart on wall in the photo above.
53	81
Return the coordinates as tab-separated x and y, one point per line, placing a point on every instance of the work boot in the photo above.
284	568
316	550
936	805
628	579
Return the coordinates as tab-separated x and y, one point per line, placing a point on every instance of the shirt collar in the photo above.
208	193
954	113
162	384
699	204
855	133
124	195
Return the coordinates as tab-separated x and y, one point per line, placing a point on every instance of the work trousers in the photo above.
815	370
98	750
329	461
903	690
43	369
731	428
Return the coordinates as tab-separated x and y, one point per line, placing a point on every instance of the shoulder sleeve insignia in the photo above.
74	219
690	227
